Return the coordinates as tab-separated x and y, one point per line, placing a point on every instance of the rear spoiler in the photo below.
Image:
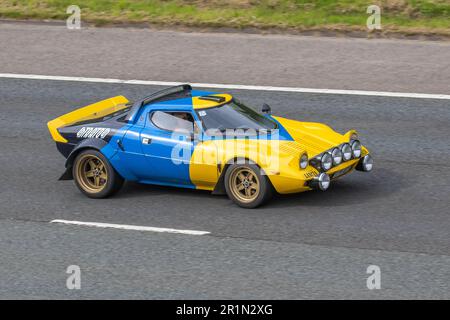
93	111
176	92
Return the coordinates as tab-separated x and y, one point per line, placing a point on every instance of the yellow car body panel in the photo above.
198	103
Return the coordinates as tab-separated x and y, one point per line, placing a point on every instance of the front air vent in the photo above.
217	99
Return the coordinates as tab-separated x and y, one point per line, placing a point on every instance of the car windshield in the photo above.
233	115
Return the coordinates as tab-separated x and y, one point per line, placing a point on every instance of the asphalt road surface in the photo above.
310	245
270	60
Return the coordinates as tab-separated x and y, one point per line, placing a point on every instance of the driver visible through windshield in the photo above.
234	115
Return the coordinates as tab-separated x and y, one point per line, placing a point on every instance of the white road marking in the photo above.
232	86
130	227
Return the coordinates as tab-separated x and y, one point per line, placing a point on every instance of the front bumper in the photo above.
293	182
323	180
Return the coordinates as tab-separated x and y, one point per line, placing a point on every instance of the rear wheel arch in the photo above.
219	188
95	144
247	185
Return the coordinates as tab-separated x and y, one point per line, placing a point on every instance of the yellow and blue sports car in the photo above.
202	140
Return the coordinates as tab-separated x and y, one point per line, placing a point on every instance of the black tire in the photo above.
83	169
253	200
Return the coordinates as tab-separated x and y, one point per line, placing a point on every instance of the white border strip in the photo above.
232	86
130	227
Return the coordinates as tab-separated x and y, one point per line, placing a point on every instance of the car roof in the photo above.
197	100
180	97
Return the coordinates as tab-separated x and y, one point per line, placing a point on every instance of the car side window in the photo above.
173	121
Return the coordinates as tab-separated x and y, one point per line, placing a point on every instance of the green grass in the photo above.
420	16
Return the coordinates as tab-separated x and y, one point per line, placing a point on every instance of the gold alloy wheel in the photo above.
244	184
91	173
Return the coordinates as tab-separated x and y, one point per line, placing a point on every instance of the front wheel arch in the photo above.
95	144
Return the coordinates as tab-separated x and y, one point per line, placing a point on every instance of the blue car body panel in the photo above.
154	163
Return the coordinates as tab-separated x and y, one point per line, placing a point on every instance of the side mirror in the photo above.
266	108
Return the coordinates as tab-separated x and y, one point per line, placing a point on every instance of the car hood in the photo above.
314	137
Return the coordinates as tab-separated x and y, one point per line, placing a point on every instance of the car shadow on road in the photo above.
353	189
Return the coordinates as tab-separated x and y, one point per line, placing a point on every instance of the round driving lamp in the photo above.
346	152
323	181
326	161
336	154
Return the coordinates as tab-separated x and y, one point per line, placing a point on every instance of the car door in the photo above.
167	145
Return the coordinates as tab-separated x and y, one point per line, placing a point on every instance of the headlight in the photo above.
367	163
326	161
323	181
346	152
356	148
304	161
337	156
